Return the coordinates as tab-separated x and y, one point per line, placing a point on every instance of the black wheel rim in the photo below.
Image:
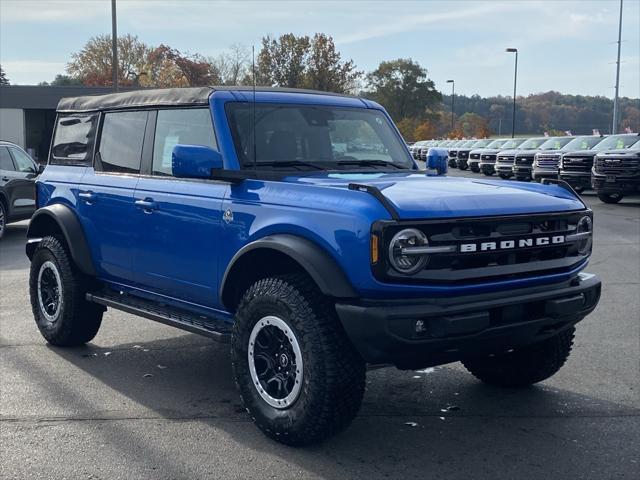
275	362
49	291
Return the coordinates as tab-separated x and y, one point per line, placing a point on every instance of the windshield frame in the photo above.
404	161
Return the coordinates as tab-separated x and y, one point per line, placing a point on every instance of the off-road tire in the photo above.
463	166
610	197
524	366
78	321
333	378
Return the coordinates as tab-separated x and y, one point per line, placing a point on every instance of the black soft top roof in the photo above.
159	97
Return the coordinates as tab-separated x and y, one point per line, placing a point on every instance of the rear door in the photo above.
24	187
178	221
105	193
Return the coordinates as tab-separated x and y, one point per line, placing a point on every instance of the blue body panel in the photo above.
180	251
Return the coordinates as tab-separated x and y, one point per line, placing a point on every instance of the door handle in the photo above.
88	197
148	205
5	179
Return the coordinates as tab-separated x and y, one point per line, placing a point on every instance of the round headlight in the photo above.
404	262
585	225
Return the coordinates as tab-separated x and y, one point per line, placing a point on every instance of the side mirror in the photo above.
437	161
194	161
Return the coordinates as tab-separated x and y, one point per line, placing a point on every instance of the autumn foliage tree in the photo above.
168	67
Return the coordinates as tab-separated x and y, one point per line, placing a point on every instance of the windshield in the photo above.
582	143
555	143
513	143
532	144
496	143
616	142
314	136
482	143
470	143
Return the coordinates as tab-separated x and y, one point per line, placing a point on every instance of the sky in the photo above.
567	46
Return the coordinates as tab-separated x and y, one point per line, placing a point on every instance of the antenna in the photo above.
253	72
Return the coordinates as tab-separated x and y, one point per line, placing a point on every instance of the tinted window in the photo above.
121	142
73	140
185	127
23	161
5	160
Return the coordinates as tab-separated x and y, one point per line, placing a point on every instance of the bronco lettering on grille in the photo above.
511	244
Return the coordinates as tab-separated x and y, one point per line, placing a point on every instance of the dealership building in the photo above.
27	114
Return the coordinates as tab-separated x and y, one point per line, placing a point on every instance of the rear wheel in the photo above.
610	197
299	376
57	291
523	366
3	218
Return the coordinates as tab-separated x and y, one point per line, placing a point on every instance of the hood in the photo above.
624	152
580	153
511	152
549	153
416	195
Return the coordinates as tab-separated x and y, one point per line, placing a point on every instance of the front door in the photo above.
178	220
105	194
17	174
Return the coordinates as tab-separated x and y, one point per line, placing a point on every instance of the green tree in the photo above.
403	88
3	78
304	62
92	64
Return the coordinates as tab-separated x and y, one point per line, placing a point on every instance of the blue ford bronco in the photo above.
296	226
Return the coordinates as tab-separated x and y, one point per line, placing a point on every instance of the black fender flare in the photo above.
318	264
69	224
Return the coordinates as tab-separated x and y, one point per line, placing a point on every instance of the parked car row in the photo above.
608	164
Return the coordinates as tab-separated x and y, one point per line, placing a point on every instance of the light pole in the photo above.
114	45
453	95
614	128
515	79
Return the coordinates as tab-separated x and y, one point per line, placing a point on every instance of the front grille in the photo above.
550	162
463	155
499	264
617	165
577	164
474	156
488	158
453	153
524	160
506	159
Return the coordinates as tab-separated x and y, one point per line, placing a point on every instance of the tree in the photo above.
325	69
4	81
408	128
303	62
62	81
168	67
92	64
403	88
472	125
234	67
426	130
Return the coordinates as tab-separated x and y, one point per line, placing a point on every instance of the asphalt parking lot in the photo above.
148	401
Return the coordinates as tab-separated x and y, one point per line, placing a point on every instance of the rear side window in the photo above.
23	161
5	160
73	140
184	126
121	141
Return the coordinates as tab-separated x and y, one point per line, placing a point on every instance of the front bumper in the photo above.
539	174
577	179
617	183
487	168
504	168
522	171
384	332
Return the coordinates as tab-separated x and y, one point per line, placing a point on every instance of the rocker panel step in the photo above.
208	326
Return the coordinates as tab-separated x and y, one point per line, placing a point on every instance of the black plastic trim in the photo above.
70	227
375	192
320	266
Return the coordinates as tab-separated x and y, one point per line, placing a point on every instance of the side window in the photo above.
23	161
121	142
5	160
184	126
73	140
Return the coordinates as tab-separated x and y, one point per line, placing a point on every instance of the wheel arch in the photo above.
61	220
279	254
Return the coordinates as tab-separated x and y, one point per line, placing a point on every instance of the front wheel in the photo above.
610	197
524	366
57	290
299	376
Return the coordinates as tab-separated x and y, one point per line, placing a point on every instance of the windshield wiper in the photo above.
289	163
369	162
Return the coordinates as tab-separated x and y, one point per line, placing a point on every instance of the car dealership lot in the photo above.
147	401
